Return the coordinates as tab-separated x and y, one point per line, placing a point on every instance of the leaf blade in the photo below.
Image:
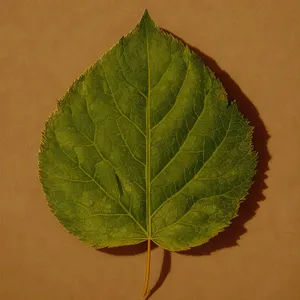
145	125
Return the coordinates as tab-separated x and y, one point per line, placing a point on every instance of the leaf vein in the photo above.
183	143
117	106
101	188
135	158
197	174
188	211
172	108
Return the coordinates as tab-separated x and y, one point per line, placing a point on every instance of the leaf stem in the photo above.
147	274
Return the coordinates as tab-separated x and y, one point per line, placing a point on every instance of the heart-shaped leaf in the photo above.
145	146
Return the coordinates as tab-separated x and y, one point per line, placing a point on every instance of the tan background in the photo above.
45	45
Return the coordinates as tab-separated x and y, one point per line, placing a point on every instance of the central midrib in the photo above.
148	137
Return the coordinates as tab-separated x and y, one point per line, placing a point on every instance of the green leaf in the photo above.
145	146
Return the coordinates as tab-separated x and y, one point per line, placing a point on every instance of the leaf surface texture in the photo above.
143	145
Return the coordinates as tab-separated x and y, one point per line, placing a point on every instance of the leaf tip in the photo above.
146	14
146	18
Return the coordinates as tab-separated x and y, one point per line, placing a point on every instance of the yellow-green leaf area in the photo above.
145	145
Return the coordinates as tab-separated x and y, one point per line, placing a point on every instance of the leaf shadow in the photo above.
128	250
230	236
164	271
139	249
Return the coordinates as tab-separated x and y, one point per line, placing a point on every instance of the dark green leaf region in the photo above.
145	146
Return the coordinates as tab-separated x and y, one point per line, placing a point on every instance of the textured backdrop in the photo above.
253	46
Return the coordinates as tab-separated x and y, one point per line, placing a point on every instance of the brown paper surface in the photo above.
253	46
